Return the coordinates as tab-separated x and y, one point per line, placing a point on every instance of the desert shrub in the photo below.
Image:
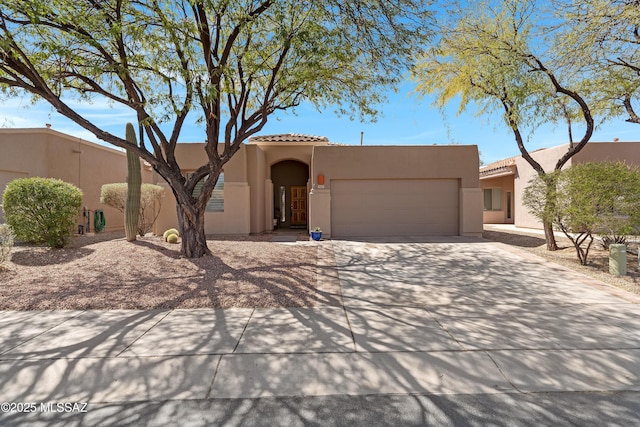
608	240
115	196
42	210
591	198
6	243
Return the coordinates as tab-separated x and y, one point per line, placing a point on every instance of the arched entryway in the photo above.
290	205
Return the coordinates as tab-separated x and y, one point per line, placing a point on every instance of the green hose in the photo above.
99	221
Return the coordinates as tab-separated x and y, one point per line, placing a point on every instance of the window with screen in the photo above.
216	202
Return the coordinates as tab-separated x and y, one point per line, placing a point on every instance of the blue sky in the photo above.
406	120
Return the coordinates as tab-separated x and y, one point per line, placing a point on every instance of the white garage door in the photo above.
394	207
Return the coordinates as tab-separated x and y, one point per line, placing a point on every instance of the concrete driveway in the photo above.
448	317
544	328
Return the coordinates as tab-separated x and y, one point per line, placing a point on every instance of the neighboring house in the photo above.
283	181
47	153
503	182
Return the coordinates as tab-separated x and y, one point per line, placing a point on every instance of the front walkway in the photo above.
439	317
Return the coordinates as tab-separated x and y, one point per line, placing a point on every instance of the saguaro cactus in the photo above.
134	183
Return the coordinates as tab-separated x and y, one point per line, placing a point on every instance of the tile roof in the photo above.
288	137
501	166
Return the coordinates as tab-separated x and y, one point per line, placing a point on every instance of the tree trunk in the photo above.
194	240
550	211
550	237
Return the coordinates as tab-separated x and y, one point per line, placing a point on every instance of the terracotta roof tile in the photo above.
503	165
288	137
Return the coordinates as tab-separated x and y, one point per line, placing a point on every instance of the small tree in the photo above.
115	196
591	198
42	210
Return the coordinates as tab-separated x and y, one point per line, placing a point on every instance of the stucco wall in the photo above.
628	152
51	154
397	162
593	152
248	193
457	162
276	154
236	216
256	176
547	159
249	188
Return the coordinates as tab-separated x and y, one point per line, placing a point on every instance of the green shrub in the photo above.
590	198
6	243
172	238
115	196
42	210
170	231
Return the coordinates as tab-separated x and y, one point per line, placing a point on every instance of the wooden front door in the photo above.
298	205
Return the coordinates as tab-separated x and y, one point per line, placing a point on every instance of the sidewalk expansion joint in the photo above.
353	337
43	332
215	374
246	325
435	319
507	379
145	333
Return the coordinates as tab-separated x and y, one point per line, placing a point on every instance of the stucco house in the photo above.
503	182
284	181
50	154
292	180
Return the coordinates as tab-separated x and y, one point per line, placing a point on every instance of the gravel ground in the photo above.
104	271
598	267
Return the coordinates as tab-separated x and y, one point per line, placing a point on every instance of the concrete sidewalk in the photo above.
449	317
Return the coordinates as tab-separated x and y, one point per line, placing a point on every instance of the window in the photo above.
492	199
216	202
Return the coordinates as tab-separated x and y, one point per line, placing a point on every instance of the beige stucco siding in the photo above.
236	217
398	162
51	154
383	182
248	192
592	152
256	173
628	152
547	159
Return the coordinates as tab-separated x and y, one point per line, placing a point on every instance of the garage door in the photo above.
394	207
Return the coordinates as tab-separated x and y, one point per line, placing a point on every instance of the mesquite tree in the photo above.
603	37
231	63
501	56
